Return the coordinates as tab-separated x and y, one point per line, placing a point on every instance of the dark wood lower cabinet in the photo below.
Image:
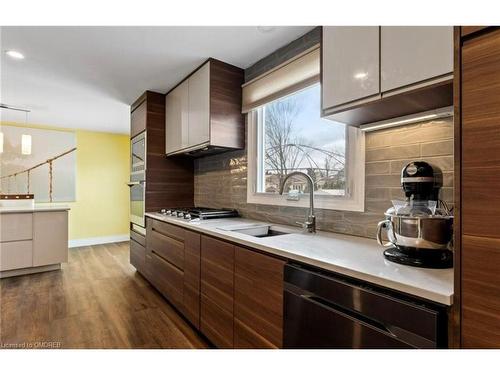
233	295
258	300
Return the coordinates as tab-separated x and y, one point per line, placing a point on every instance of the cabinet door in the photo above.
411	54
480	265
192	277
138	119
199	107
50	238
350	64
217	290
176	118
258	300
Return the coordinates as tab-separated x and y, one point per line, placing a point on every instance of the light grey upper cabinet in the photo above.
350	64
412	54
203	113
372	74
199	106
176	118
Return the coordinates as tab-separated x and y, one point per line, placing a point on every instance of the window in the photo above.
289	135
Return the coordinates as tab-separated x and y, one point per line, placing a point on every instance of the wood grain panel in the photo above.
246	338
481	101
217	272
258	298
192	246
480	292
166	247
216	323
454	321
168	279
481	201
173	231
227	123
191	304
169	181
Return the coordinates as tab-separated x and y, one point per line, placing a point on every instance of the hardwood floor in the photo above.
97	300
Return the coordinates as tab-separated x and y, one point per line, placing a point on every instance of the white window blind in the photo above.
299	72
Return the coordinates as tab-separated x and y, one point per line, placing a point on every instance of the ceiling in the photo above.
87	77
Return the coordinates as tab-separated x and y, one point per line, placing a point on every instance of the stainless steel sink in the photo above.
256	230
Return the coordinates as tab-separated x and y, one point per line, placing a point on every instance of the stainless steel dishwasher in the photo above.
324	310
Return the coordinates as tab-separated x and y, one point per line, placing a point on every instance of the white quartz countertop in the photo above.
36	208
357	257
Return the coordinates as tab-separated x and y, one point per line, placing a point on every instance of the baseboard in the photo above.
98	240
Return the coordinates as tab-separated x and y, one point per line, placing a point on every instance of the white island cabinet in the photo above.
33	240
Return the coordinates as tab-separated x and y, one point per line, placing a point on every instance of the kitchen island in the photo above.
33	239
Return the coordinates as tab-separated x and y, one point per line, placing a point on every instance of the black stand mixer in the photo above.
420	229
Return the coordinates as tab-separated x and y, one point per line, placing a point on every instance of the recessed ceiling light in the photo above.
15	54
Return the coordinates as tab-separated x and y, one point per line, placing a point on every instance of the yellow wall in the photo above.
102	197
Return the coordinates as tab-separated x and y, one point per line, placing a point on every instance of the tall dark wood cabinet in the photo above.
169	182
477	173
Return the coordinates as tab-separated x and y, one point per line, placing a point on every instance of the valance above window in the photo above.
299	72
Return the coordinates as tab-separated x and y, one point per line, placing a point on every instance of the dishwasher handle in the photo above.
347	313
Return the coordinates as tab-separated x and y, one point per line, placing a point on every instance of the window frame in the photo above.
354	200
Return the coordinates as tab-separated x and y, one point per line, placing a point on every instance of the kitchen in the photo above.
272	187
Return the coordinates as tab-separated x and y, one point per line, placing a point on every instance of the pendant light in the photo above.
26	144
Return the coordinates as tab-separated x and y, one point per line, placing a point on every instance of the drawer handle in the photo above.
349	313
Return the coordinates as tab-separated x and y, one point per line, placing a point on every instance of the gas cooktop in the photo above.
201	213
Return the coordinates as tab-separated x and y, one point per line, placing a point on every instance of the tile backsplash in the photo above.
221	180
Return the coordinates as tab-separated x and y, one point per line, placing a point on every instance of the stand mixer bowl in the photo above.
431	232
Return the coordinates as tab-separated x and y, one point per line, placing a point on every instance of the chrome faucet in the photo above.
310	224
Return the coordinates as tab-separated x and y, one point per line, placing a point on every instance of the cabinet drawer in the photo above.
217	272
137	256
169	230
216	323
168	248
168	280
16	227
15	255
137	237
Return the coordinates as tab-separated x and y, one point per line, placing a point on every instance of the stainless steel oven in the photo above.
137	181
